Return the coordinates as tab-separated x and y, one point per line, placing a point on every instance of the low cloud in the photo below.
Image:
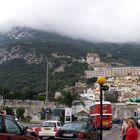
94	20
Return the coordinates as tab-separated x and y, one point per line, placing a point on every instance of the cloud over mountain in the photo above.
94	20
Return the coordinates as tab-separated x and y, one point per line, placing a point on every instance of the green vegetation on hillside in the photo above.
28	81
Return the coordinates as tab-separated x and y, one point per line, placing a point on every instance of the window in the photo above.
1	125
12	127
75	126
68	118
105	106
59	124
48	124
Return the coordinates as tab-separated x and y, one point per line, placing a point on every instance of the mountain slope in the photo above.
23	53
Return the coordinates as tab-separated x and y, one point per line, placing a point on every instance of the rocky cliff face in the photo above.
18	33
11	47
30	56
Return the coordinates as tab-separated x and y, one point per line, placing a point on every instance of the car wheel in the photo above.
41	138
98	138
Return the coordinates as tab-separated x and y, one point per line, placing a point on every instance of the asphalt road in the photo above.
113	134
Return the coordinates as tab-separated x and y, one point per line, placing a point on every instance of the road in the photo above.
113	134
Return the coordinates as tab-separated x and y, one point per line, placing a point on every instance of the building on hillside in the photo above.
113	71
109	55
92	58
80	87
57	95
88	94
136	86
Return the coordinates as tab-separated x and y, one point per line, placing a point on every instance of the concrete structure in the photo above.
32	107
112	71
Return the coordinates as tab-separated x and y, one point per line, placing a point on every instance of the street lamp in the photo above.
101	81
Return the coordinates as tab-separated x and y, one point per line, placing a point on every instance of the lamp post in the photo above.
101	81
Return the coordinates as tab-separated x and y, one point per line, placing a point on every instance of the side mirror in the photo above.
95	129
27	127
24	130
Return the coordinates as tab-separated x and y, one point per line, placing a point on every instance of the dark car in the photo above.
117	121
136	121
11	130
78	130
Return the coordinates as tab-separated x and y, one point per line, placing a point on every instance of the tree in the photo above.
20	113
42	114
91	80
9	111
30	94
67	98
111	96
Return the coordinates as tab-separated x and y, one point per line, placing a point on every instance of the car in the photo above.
49	128
11	130
136	121
117	121
16	118
30	131
78	130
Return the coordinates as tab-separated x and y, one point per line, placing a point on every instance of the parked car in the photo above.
136	120
78	130
30	131
49	128
11	130
117	121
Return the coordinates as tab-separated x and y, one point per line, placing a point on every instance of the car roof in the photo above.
55	121
79	121
6	116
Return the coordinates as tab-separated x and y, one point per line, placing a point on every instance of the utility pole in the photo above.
46	101
3	98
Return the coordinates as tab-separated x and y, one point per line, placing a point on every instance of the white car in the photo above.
49	128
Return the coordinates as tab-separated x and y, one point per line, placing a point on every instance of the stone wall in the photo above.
32	107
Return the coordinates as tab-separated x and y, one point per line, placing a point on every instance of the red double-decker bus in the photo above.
107	114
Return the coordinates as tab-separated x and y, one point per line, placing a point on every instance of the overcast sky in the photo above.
95	20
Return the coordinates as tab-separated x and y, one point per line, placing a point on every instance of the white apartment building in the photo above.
112	71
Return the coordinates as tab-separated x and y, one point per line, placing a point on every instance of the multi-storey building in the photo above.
112	71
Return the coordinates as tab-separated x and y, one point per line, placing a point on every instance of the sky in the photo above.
94	20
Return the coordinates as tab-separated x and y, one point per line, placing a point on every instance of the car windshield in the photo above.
74	126
48	124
